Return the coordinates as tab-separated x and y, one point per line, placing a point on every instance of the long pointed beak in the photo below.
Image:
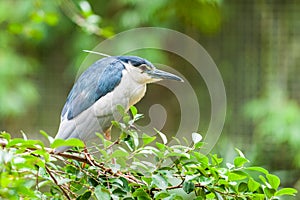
159	74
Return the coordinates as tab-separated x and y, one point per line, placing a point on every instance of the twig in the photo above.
112	144
71	156
56	183
176	187
37	180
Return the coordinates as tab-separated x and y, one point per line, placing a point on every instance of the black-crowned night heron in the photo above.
92	103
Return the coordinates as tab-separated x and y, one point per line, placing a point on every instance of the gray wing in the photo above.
98	80
78	119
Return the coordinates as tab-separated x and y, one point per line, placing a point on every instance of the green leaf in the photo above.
126	119
129	141
138	116
177	140
133	110
125	184
199	144
240	153
258	169
14	141
147	139
115	124
191	177
119	153
188	186
119	192
43	153
5	135
286	191
253	185
73	142
85	196
174	196
62	181
105	142
48	137
179	154
24	135
237	175
263	179
159	181
240	161
242	187
148	150
161	195
210	196
43	133
215	160
163	136
44	183
257	196
269	192
205	180
34	143
24	143
203	159
121	110
196	137
160	146
102	193
92	181
135	138
147	180
141	194
273	180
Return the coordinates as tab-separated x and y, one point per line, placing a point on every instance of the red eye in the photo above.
144	67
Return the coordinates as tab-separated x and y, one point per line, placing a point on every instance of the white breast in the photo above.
127	93
98	117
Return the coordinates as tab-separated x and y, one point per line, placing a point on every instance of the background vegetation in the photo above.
255	44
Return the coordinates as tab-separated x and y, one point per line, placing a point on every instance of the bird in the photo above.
93	100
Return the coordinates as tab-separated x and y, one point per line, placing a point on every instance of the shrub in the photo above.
131	167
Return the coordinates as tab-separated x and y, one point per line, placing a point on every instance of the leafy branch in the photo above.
143	168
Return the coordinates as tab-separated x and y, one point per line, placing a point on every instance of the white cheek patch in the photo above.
137	74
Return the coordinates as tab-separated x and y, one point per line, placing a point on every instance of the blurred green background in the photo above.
255	45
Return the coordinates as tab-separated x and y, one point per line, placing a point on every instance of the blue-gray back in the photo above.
98	80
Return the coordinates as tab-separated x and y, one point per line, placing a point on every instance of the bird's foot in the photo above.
107	134
88	156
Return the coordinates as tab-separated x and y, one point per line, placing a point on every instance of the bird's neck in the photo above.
133	89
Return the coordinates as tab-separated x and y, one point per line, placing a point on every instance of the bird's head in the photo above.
144	71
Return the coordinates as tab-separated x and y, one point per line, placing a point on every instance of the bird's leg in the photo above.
88	156
107	136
